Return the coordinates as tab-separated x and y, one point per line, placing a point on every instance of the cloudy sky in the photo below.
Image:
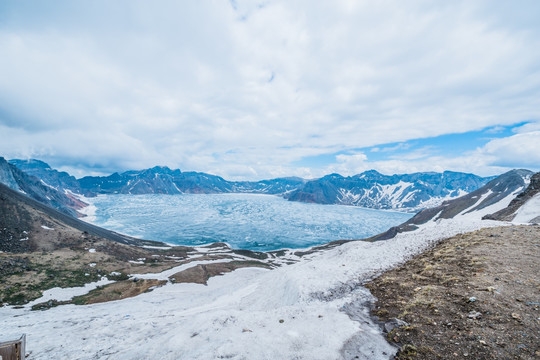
253	90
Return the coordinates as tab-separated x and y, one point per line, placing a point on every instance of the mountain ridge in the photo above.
399	191
508	184
370	189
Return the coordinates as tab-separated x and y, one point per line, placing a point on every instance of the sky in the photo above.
251	90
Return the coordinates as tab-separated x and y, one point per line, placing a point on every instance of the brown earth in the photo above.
473	296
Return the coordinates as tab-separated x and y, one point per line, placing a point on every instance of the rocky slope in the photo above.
24	222
37	189
516	207
506	186
374	190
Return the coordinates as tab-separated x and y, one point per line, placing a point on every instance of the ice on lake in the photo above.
245	221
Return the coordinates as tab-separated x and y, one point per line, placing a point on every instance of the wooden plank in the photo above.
13	349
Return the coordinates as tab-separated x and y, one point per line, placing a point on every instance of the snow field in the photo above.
314	309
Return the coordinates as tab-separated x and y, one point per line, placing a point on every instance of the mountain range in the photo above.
371	189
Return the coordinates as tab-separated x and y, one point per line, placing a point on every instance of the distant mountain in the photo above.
273	186
157	180
37	189
401	192
371	189
495	191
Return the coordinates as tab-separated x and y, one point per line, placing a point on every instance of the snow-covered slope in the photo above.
314	309
529	212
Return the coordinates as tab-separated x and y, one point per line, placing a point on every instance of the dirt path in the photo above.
474	296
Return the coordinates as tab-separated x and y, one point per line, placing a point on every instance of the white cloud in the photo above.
520	150
132	84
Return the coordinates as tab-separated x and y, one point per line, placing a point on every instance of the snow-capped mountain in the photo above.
372	189
162	180
156	180
501	190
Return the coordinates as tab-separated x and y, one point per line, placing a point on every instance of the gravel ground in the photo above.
473	296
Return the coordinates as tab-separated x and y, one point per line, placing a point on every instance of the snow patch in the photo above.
65	294
528	211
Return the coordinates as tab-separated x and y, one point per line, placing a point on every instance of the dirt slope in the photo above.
474	296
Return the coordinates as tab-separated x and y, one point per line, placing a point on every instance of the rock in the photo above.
472	299
475	315
394	323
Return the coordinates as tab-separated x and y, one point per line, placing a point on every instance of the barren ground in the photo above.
474	296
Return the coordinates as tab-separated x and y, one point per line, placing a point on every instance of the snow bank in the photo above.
63	294
314	309
529	211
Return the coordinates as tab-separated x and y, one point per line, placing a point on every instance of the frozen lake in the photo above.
245	221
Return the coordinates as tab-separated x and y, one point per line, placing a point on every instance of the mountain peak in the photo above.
29	164
368	174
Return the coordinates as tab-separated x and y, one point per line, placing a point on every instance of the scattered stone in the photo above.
246	330
483	342
394	323
472	299
516	316
474	315
281	321
407	351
